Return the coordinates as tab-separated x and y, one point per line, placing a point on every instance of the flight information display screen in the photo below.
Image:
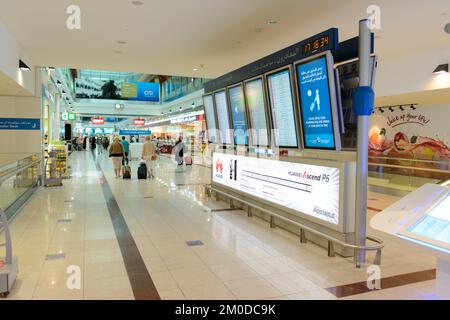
237	106
223	118
210	118
436	224
316	106
282	109
254	96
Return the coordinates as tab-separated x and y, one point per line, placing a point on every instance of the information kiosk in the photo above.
422	219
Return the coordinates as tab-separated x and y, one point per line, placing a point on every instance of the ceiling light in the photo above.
381	110
412	107
181	108
258	30
23	66
392	110
121	42
195	69
117	52
58	83
137	3
193	105
272	22
401	108
442	68
51	68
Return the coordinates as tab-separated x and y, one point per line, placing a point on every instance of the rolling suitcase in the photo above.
126	172
188	161
142	171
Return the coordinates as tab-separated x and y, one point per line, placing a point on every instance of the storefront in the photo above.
192	128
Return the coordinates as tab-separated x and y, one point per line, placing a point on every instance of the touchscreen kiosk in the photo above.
254	98
317	101
223	117
210	118
281	104
238	117
422	219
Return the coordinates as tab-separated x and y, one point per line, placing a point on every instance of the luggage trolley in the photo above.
9	266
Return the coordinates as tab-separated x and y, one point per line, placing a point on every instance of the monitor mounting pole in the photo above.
363	102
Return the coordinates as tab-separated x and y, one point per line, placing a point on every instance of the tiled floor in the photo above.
242	258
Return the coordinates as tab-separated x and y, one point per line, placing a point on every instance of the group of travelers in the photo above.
119	151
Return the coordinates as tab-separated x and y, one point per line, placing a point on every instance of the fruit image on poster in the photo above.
421	134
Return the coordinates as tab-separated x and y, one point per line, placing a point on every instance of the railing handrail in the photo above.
379	242
406	159
9	173
408	167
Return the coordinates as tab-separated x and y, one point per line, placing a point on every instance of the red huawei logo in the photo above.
219	166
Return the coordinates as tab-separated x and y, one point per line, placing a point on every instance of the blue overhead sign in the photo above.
20	124
124	132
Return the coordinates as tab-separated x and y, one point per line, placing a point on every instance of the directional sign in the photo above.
20	124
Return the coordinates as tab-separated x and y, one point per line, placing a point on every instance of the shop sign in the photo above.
68	116
125	132
139	122
184	119
98	121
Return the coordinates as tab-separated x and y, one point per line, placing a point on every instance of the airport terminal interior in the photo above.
224	150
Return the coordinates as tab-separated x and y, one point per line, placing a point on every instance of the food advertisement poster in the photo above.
418	133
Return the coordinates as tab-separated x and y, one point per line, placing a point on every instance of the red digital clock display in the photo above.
316	44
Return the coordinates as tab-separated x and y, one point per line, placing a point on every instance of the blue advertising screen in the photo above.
237	105
315	101
147	91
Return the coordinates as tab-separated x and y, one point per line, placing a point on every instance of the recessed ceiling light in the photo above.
117	52
258	30
195	69
137	3
121	42
23	66
272	22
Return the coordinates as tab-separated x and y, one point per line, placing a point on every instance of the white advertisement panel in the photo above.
308	189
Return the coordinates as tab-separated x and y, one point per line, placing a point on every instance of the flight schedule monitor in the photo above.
282	109
210	118
254	98
238	119
317	102
223	118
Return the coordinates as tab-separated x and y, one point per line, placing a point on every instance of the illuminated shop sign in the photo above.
139	122
98	121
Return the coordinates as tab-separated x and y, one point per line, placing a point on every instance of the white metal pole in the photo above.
362	145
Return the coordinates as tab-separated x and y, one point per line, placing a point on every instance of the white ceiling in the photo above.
173	37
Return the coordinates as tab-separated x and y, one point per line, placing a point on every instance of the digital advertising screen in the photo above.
223	119
308	189
210	118
316	104
254	97
237	106
282	108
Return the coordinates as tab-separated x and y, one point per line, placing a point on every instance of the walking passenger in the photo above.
116	153
126	148
149	155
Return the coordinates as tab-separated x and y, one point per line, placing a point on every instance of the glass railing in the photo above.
19	174
406	174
